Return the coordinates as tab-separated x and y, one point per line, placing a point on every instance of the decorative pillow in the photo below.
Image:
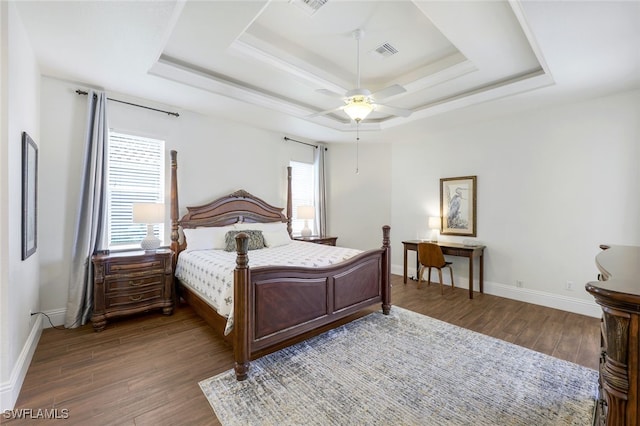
256	240
276	237
206	238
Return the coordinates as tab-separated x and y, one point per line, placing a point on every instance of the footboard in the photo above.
275	304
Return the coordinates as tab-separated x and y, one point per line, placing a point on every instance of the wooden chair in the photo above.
430	256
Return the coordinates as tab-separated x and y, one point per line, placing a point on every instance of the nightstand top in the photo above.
133	253
313	238
317	239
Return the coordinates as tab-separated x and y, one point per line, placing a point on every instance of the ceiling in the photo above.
263	62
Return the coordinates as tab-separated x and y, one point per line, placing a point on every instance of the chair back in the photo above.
430	254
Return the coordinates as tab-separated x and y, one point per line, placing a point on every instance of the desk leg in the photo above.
481	272
470	277
405	264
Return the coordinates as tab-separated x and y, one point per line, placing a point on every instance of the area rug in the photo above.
405	369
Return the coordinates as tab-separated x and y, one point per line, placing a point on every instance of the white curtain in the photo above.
320	222
91	209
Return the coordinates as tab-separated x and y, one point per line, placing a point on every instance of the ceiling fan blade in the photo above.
402	112
330	93
396	89
329	111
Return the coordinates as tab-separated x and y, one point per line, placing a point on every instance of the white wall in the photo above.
552	186
359	204
19	332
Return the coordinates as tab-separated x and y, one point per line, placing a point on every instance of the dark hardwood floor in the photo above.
145	370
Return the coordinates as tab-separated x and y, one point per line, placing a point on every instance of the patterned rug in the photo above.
405	369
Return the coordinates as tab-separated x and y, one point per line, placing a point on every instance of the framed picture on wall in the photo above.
458	206
29	196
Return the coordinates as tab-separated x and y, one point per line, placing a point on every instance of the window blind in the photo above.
302	192
135	173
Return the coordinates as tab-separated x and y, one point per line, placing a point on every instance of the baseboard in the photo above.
550	300
10	390
56	318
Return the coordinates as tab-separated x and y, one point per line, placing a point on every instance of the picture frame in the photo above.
29	196
458	206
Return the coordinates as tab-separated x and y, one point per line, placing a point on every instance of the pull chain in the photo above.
357	146
357	169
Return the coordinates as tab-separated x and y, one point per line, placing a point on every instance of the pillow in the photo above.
275	233
276	237
256	240
206	238
261	226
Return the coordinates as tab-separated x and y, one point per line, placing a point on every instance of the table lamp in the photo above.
306	213
434	225
150	214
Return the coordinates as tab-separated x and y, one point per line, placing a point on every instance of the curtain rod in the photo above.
286	138
175	114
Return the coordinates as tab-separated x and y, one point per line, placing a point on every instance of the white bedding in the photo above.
209	273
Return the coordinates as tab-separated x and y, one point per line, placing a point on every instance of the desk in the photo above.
451	249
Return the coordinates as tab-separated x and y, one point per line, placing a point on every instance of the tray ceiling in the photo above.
276	55
264	62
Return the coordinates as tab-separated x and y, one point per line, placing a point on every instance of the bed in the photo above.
275	305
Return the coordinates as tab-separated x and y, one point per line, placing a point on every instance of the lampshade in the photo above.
434	222
306	212
434	225
148	212
358	108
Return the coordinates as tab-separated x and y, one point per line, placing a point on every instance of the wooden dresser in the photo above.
618	293
130	282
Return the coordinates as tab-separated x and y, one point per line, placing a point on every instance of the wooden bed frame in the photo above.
275	306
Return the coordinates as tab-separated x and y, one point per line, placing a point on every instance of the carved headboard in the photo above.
240	206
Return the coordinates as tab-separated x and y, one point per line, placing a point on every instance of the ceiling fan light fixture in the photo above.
358	108
359	102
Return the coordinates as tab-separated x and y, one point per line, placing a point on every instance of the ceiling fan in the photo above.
359	102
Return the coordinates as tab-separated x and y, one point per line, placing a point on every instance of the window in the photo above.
302	192
135	173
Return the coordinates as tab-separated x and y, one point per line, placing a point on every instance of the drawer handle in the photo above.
134	283
145	265
135	298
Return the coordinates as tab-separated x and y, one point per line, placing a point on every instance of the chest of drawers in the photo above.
131	282
618	293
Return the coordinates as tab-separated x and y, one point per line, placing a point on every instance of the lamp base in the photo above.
306	232
150	242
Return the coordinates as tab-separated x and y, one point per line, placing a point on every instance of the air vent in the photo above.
384	50
309	6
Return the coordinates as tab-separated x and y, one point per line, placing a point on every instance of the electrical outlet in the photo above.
568	286
519	284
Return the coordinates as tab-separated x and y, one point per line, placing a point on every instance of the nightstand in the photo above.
330	241
126	283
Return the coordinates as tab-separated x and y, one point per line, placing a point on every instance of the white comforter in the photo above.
209	273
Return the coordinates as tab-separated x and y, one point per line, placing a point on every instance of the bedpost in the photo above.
289	202
174	204
241	325
386	270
